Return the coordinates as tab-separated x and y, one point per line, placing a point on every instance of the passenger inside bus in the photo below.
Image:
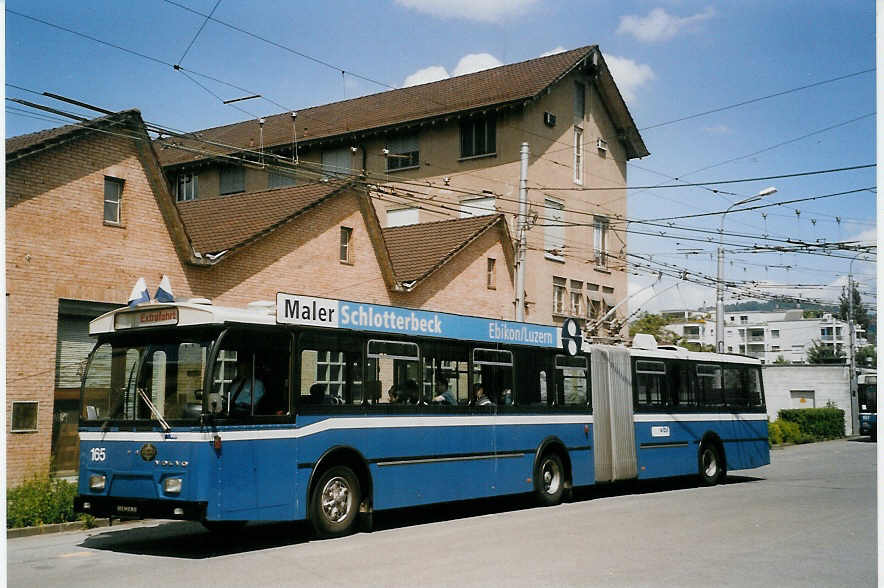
481	399
444	394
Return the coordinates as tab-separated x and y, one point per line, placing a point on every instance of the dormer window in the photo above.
186	187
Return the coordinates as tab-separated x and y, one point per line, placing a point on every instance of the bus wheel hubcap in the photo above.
710	463
336	499
551	477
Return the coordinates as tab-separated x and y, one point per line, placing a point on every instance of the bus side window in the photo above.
445	365
571	380
493	368
735	392
753	386
329	370
393	371
650	382
710	390
681	392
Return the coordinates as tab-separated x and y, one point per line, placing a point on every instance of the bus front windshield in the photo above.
145	380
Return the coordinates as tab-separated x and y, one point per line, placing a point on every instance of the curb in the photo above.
56	528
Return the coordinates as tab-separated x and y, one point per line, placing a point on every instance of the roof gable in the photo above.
496	86
416	251
228	222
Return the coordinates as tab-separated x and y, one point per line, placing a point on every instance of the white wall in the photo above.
828	382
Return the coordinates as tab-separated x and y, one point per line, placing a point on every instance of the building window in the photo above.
774	334
593	301
280	179
346	237
491	279
113	198
600	243
186	187
24	417
403	153
478	136
744	320
559	295
477	206
233	179
576	298
403	216
579	100
578	155
337	162
554	233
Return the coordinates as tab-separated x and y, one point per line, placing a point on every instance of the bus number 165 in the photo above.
97	453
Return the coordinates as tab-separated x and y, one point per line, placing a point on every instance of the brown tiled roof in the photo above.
221	224
15	146
417	250
500	85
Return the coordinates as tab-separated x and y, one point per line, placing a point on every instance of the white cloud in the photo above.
867	237
474	62
629	75
658	25
469	63
558	49
478	10
434	73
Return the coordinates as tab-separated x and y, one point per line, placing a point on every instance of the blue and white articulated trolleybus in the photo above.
329	410
867	396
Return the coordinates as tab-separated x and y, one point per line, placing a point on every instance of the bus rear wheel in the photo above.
711	465
549	480
334	503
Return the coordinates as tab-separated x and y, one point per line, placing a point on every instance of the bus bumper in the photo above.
138	508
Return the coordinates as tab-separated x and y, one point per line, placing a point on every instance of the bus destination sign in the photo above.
146	318
323	312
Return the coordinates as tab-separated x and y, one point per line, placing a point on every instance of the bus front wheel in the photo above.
549	480
711	465
334	502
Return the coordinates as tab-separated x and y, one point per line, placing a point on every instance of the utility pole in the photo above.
523	233
854	401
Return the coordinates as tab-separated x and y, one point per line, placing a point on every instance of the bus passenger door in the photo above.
613	426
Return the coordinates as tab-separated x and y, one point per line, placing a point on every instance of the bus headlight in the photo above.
172	485
97	482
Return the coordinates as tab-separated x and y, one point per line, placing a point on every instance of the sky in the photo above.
802	72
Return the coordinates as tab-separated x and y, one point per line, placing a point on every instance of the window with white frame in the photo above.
554	233
113	198
491	274
346	238
578	155
186	187
576	298
477	206
403	152
600	241
232	179
398	217
559	292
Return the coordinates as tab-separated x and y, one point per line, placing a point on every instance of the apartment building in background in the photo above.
769	335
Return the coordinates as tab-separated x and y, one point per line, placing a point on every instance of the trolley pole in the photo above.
523	236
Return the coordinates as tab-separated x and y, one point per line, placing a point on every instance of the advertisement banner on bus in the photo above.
323	312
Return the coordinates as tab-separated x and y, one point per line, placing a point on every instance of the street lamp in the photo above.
719	289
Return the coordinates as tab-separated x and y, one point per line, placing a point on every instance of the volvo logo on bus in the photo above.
148	452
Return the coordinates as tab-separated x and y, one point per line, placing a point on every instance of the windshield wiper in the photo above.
153	409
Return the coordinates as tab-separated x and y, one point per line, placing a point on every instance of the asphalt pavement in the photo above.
807	519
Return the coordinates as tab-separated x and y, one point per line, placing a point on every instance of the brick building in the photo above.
89	211
404	198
